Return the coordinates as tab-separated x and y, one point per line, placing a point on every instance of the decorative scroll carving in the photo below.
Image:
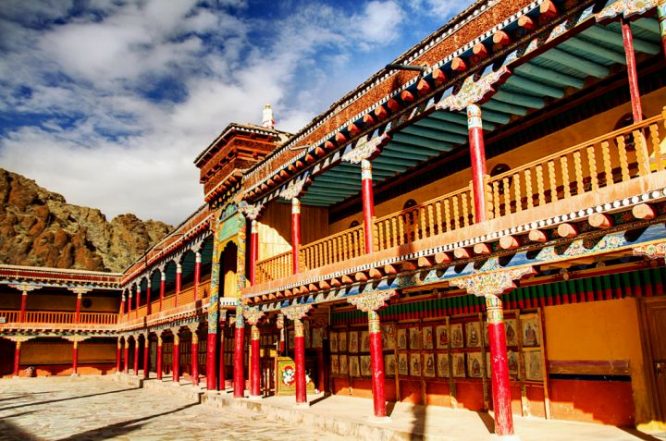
651	251
24	287
296	312
293	189
250	211
81	290
626	8
252	315
365	149
491	283
472	91
371	301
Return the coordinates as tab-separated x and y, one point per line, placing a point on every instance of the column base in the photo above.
380	420
256	397
75	374
513	437
302	406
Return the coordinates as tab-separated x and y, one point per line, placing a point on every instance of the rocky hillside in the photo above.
40	228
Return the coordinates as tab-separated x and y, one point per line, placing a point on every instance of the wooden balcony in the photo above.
57	320
613	166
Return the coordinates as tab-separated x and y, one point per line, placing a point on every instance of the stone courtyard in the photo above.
98	408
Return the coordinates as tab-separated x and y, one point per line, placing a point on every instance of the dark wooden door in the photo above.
655	330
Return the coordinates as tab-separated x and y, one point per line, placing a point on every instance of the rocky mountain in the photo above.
39	228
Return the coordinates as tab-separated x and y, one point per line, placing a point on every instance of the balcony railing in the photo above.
58	318
617	157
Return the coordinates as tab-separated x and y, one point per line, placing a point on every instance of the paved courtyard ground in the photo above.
94	408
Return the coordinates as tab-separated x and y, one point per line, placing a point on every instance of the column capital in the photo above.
491	283
162	276
295	206
197	257
252	315
24	288
296	312
366	169
371	301
80	290
250	211
193	327
293	189
365	148
474	119
472	91
179	267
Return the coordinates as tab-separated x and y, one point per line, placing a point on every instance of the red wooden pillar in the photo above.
254	251
321	371
136	355
295	233
179	278
367	194
211	360
129	304
222	373
162	287
24	305
149	307
197	274
176	357
477	152
17	359
239	354
146	357
299	360
499	368
255	363
280	326
138	300
122	305
628	40
126	364
661	14
77	313
377	364
195	358
119	347
75	358
158	361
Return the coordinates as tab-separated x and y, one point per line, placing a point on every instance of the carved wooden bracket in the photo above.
626	8
491	283
473	92
365	149
296	312
371	301
252	315
24	287
250	211
80	290
293	189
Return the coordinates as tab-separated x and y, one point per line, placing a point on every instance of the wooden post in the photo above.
77	313
195	358
478	158
175	353
119	347
136	355
138	300
368	198
179	279
628	40
377	364
197	274
299	360
162	288
222	374
75	358
158	361
239	354
295	233
17	358
24	305
126	365
255	362
129	304
149	307
254	251
211	360
499	367
122	305
146	357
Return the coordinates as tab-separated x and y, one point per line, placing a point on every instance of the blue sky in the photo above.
108	102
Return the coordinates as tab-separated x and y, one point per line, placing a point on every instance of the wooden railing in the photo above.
273	268
60	317
333	249
619	156
440	215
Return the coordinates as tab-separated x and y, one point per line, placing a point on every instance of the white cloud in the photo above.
379	22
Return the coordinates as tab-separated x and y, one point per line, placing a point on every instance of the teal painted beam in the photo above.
453	117
330	192
435	135
577	63
381	159
409	146
614	38
541	73
494	117
647	24
388	167
534	87
528	101
340	183
418	141
409	154
504	107
576	44
458	129
358	174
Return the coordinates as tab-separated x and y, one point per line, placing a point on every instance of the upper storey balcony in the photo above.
564	139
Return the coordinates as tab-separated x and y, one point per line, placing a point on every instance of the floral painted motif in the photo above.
365	148
371	301
293	189
493	283
626	8
472	92
252	315
296	312
651	251
250	211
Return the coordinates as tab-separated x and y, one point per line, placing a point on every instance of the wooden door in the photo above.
654	314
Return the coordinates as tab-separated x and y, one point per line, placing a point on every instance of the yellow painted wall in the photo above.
60	352
58	302
605	330
275	228
572	135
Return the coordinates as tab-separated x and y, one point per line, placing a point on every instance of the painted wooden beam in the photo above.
436	124
419	141
599	220
648	25
541	73
435	134
528	101
462	253
534	87
643	211
504	108
577	44
567	230
537	236
614	38
494	118
574	62
398	163
420	148
408	154
452	117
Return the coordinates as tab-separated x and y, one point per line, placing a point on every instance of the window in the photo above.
409	204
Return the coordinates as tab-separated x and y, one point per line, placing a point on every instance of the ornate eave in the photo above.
59	278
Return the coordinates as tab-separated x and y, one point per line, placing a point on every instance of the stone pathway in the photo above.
98	408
